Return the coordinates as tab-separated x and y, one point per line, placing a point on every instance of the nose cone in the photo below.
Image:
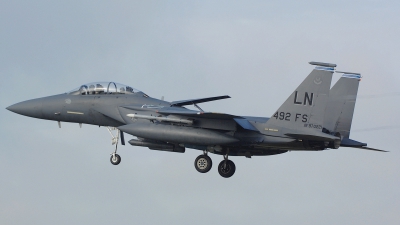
32	108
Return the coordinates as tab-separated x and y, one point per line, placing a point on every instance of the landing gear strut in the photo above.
203	163
115	158
226	167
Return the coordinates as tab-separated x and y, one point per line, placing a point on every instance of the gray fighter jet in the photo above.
313	118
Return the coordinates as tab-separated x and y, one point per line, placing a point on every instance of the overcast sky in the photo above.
255	51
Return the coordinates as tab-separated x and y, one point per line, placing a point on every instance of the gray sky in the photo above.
254	51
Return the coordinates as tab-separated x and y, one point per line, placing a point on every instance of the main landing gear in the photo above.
115	159
226	167
203	164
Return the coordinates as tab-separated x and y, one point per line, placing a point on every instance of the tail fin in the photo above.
342	100
304	110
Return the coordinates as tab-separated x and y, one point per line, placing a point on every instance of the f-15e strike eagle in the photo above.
313	118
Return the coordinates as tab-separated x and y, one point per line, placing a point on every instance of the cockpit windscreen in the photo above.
97	88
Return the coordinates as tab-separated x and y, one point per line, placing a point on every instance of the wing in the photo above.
178	111
196	115
198	100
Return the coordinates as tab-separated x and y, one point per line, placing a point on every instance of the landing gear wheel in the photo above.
226	168
115	159
203	163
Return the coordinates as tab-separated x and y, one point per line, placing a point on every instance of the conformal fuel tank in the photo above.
177	134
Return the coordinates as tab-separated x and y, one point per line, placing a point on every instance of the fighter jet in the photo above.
313	118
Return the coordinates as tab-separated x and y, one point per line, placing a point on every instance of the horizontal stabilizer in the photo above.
314	137
372	149
198	100
346	142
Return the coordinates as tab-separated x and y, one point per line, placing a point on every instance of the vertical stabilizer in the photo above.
342	100
304	110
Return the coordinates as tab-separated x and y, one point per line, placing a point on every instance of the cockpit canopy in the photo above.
97	88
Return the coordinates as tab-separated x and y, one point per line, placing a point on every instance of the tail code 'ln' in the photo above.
308	99
305	107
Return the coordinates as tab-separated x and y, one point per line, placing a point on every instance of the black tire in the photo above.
226	170
203	163
115	159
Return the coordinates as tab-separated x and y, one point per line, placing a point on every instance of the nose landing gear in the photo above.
115	159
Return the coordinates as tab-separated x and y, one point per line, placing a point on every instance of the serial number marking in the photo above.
315	126
288	116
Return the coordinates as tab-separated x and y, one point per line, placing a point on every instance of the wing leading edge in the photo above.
198	100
